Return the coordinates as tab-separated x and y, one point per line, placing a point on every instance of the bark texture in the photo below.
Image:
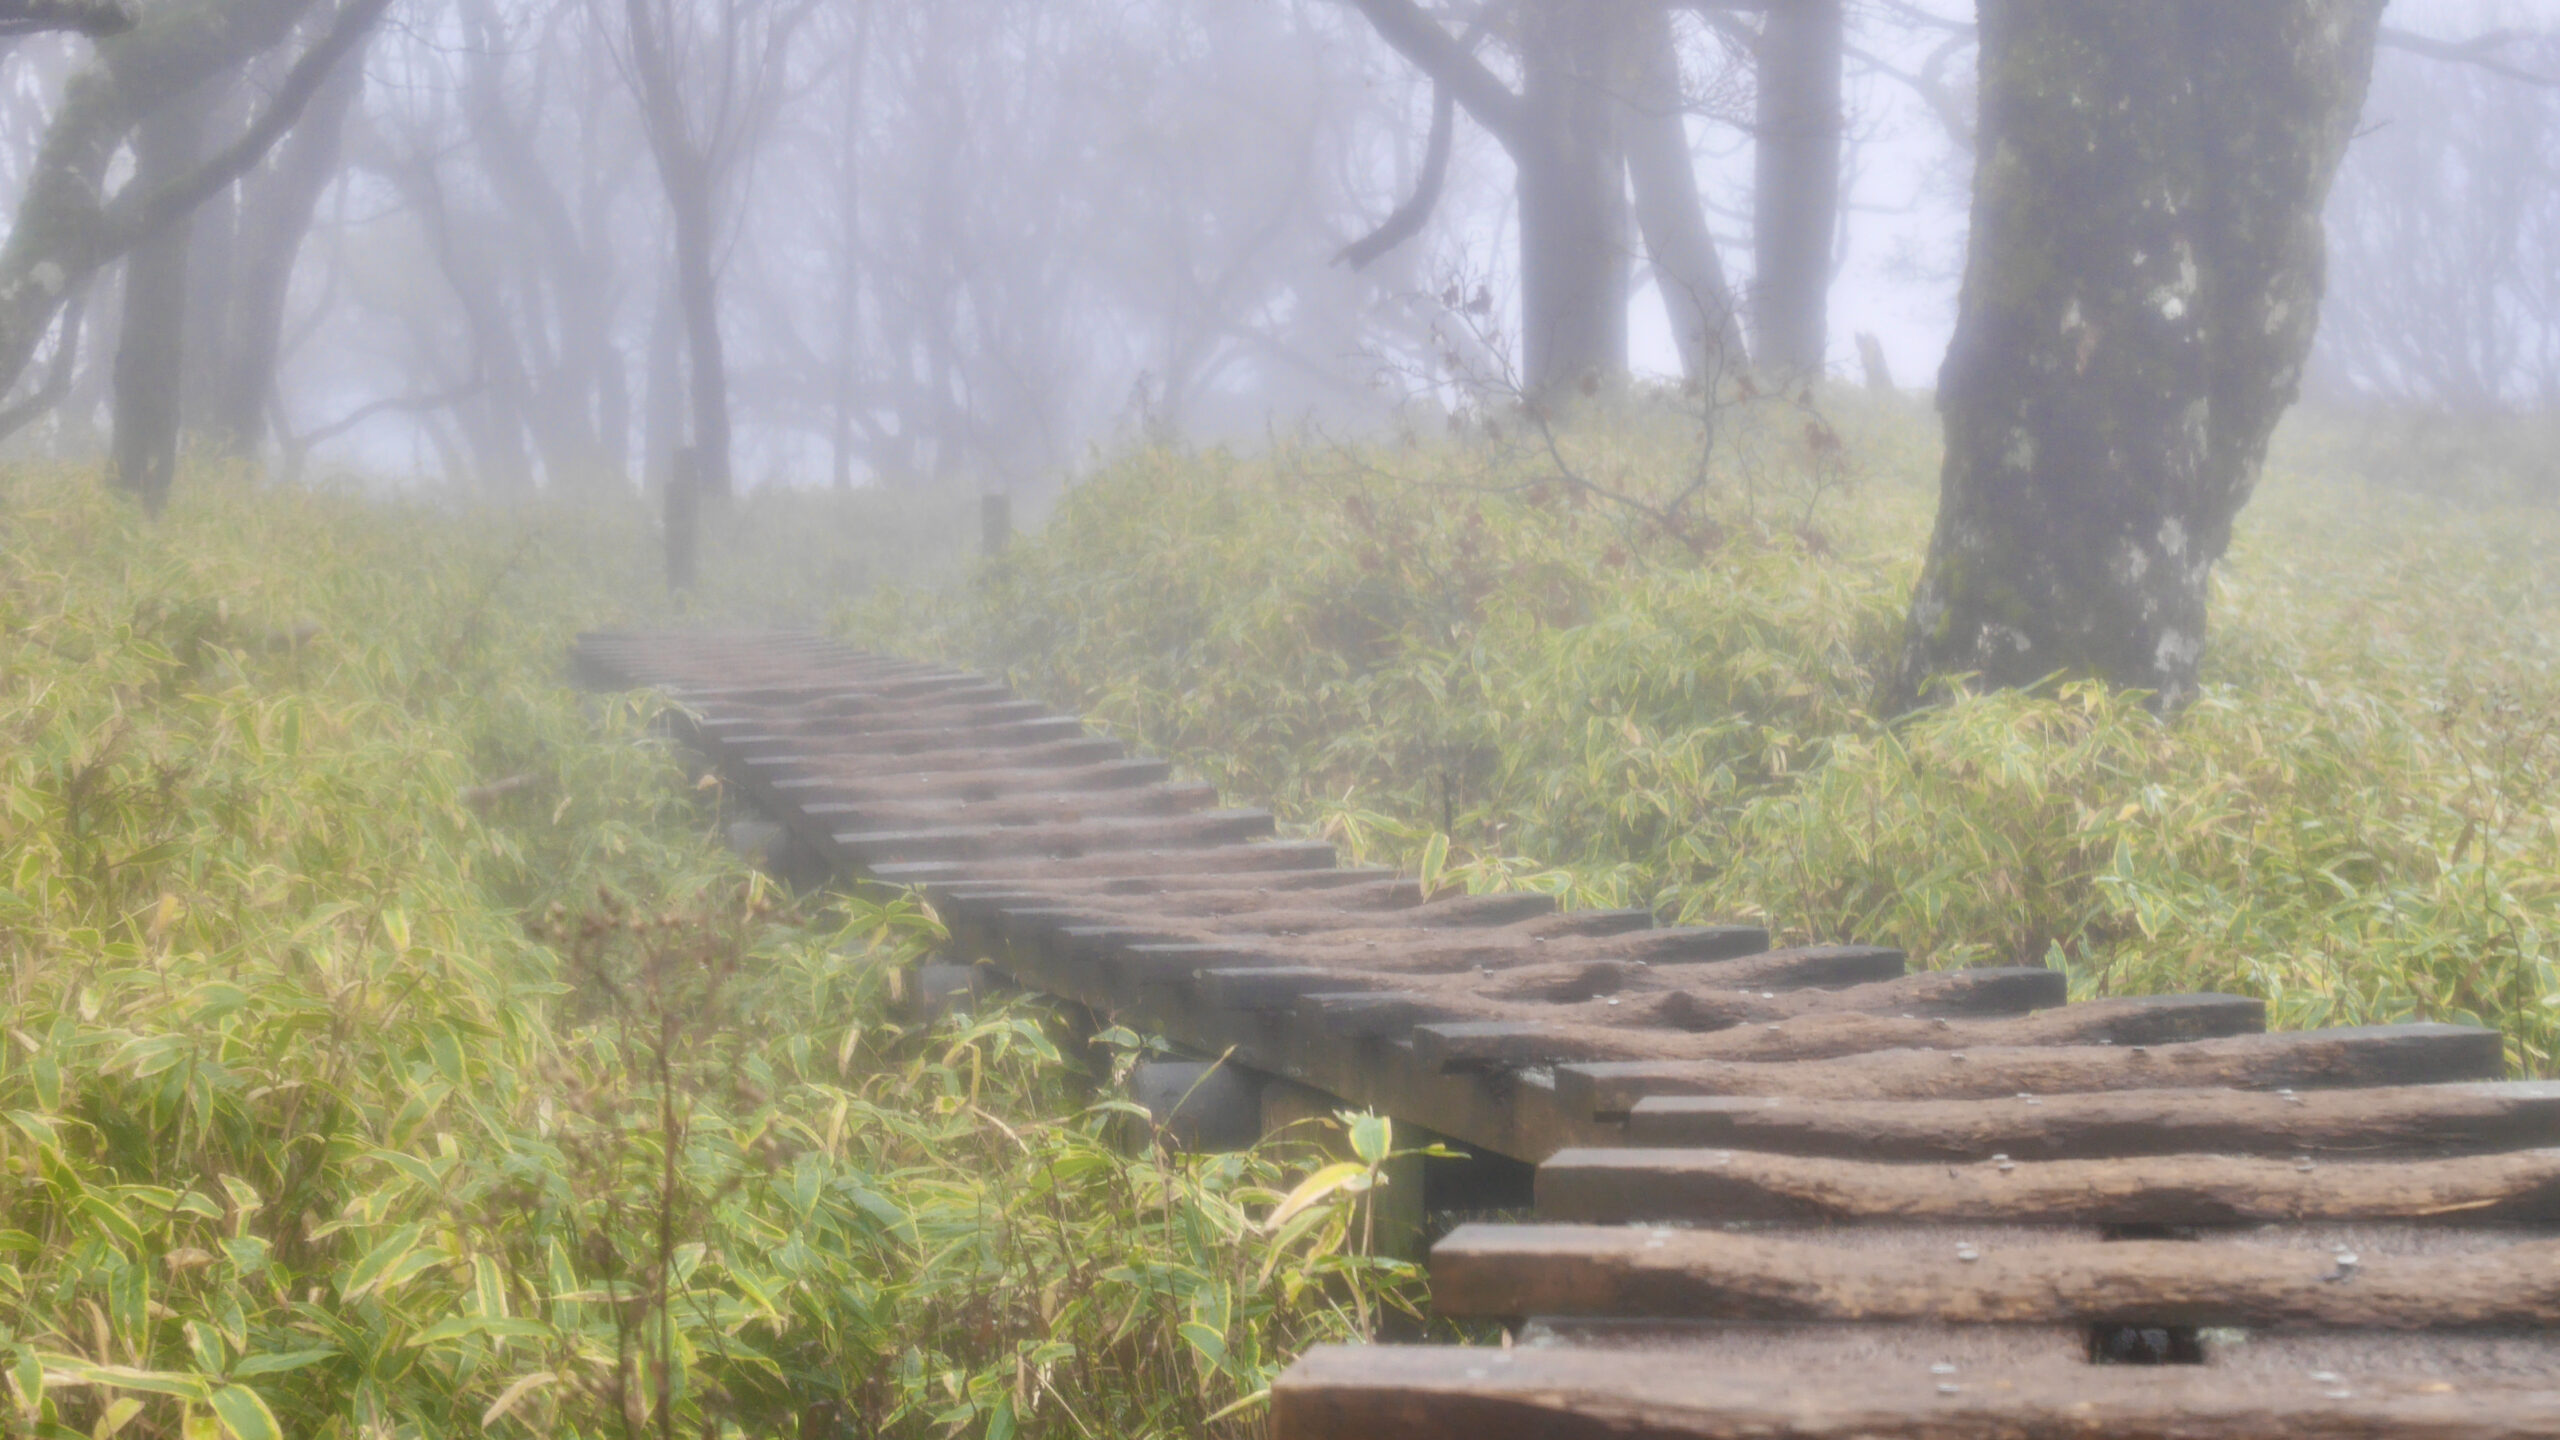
2144	278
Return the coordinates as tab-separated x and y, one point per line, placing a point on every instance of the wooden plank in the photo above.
1518	1270
1387	949
1622	1185
2137	1020
1626	997
1848	1387
2370	1055
1044	807
1089	837
2373	1123
1221	861
994	782
1076	753
1176	890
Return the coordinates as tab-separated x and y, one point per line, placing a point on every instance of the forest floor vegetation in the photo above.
391	1050
1627	666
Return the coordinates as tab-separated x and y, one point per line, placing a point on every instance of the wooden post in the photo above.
684	520
995	524
1871	355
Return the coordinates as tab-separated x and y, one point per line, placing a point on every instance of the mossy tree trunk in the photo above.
2144	278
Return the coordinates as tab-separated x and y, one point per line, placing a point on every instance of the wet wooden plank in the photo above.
2391	1121
1845	1387
1518	1270
1623	1185
2370	1055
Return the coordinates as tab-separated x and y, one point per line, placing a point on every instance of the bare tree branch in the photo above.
57	384
1408	218
2480	50
96	19
1444	58
129	222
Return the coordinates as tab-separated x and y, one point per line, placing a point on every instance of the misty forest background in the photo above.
1528	483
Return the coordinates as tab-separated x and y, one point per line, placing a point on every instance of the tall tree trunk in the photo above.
1796	159
1574	258
276	216
846	377
213	238
662	430
1669	210
2144	279
151	350
698	295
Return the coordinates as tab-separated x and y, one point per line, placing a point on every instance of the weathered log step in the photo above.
2138	1020
1066	841
1363	886
2413	1120
1214	861
998	783
2369	1055
1316	916
1633	1008
1839	1383
807	762
1255	907
1044	808
1616	1186
1947	1277
853	717
899	743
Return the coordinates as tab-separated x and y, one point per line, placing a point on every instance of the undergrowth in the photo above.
1474	656
390	1052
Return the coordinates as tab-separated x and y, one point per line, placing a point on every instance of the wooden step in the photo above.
2510	1281
1607	1186
2344	1124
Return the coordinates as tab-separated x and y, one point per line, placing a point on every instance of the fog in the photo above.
963	242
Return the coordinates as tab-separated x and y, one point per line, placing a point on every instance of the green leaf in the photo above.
205	1348
244	1414
1372	1138
377	1262
71	1370
458	1326
119	1413
1315	1188
1435	863
116	1222
280	1361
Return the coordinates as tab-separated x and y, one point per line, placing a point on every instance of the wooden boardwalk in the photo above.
1780	1192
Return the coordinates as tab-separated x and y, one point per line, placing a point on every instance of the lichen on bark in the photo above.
2142	284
